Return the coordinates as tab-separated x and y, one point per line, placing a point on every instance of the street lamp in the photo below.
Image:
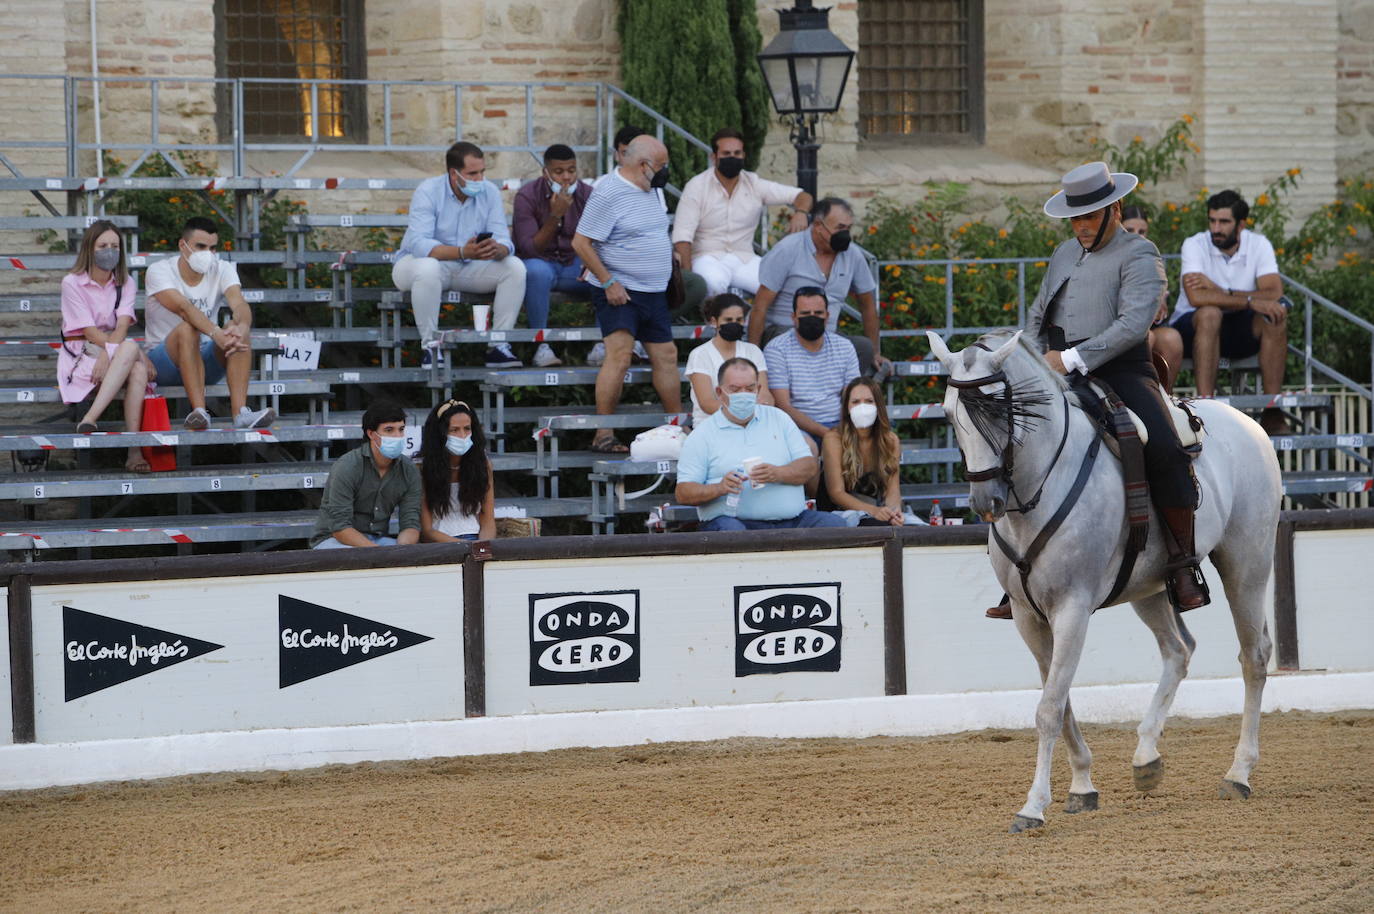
805	67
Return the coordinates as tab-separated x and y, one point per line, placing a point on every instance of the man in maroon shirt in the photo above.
547	210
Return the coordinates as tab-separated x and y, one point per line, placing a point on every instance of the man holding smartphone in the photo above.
457	239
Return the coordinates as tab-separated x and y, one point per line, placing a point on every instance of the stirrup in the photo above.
1187	565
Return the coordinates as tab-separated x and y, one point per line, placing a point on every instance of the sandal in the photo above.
609	445
86	428
138	465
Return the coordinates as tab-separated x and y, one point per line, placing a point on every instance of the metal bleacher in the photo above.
257	489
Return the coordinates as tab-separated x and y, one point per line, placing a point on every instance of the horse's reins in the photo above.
1004	470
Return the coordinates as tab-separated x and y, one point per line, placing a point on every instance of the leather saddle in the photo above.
1098	397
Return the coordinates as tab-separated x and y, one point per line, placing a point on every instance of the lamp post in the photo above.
805	67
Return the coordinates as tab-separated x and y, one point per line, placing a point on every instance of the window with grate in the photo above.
293	40
921	69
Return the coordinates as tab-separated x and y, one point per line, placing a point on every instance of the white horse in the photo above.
1024	400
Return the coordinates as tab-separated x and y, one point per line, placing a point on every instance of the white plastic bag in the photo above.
661	443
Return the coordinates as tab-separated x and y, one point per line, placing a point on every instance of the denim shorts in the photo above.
169	375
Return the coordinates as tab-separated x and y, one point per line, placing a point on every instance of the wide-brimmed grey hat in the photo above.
1089	188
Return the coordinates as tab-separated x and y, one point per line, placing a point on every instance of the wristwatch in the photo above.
1249	300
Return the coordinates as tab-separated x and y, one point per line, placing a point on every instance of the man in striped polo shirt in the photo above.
623	240
809	367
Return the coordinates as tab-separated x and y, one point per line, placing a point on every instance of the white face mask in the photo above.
201	261
863	414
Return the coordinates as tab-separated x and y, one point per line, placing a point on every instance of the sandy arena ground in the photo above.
744	825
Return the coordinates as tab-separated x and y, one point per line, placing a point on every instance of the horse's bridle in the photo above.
1005	469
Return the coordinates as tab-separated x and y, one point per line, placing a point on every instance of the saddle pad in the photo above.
1182	420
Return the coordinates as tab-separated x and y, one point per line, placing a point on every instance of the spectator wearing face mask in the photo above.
457	239
719	213
623	240
725	313
456	477
368	484
744	467
823	258
185	345
547	211
862	457
808	367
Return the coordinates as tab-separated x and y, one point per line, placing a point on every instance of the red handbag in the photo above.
161	458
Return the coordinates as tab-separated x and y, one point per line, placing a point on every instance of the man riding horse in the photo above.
1092	316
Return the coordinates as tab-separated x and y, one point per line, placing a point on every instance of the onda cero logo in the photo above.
783	629
584	637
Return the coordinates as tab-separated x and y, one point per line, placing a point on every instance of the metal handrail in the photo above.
1292	287
239	145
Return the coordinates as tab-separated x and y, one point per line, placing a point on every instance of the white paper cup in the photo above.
481	317
748	463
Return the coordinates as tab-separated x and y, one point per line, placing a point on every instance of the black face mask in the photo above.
730	167
839	241
660	178
731	333
811	328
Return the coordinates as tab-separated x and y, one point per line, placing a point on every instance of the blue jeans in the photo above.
545	276
807	518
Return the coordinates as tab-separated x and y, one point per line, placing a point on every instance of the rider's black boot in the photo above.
1187	588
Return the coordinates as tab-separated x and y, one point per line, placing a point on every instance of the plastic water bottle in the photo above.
732	499
937	517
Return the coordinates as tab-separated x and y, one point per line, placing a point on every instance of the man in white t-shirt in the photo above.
719	213
1230	298
184	343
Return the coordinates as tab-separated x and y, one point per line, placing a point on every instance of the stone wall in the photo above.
1355	89
1058	72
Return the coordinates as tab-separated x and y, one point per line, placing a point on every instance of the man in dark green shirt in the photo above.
367	484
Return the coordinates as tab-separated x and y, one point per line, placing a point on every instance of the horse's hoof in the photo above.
1081	802
1233	790
1020	823
1149	776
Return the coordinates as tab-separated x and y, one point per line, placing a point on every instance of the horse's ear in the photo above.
938	347
1005	350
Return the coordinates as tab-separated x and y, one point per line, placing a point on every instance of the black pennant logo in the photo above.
315	640
103	652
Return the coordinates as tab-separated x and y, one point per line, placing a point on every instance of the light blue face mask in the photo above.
473	188
458	446
741	405
391	448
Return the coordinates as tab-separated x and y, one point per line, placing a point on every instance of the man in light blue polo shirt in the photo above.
710	471
622	238
457	239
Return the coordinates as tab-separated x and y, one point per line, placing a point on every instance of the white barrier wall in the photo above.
683	631
156	658
6	710
1334	593
951	647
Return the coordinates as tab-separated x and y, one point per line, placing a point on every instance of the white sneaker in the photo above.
198	420
544	357
639	354
261	418
597	355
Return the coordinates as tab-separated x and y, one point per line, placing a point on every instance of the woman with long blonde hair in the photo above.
96	354
862	457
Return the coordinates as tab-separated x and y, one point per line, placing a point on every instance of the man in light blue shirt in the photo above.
711	471
622	238
458	239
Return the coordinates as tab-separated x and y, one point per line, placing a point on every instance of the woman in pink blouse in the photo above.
96	355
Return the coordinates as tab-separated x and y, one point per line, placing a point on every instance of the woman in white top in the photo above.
724	312
455	476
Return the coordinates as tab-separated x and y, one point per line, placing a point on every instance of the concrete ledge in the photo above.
37	765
